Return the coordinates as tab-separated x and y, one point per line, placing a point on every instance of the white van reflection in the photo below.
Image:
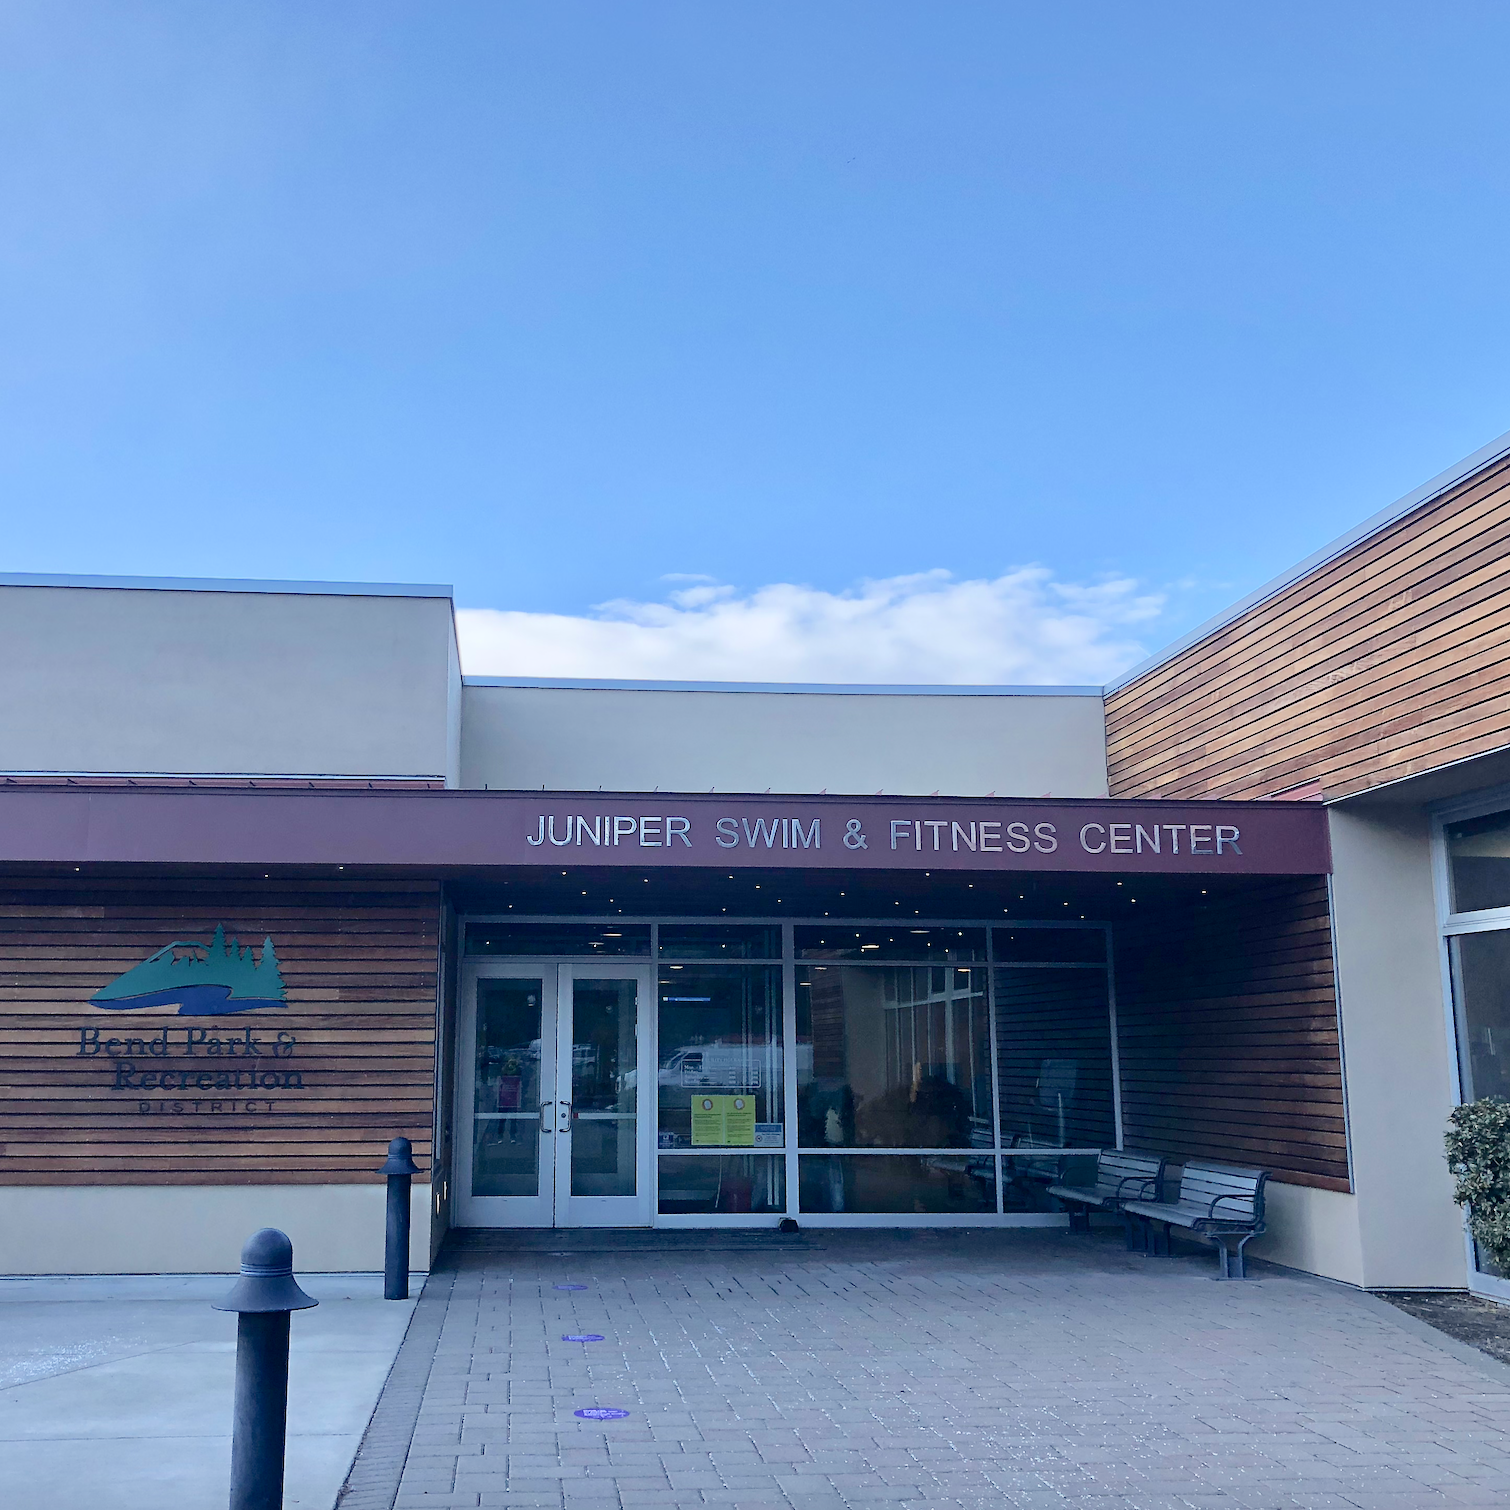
712	1066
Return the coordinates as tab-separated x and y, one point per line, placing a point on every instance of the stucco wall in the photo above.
1394	1042
98	679
198	1229
1315	1230
579	739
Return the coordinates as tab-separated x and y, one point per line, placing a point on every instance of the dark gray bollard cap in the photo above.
267	1280
400	1158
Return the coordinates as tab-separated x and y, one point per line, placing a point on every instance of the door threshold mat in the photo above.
622	1240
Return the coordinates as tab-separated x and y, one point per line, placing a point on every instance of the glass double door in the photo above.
556	1109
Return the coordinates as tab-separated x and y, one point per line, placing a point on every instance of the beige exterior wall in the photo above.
101	679
198	1229
580	739
1395	1047
1315	1230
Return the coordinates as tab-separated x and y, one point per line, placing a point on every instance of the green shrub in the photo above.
1478	1153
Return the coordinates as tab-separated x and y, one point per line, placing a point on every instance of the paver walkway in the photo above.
1020	1368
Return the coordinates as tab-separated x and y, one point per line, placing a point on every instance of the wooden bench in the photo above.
1120	1177
1220	1201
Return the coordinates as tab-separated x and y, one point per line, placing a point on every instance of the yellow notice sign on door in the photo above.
723	1121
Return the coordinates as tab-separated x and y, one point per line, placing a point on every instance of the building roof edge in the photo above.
848	689
230	584
1485	456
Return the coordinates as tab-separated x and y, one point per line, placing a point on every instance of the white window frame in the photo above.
1451	925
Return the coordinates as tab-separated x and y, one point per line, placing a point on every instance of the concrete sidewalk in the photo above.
116	1392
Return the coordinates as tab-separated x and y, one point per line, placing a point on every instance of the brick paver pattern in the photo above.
1019	1368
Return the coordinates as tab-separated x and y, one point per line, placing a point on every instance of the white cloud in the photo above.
1023	627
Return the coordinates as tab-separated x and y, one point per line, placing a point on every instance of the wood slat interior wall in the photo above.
1388	661
1227	1030
360	971
1060	1015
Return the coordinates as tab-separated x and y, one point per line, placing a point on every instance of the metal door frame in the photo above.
554	1205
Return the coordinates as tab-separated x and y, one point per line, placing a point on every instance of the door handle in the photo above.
545	1125
565	1116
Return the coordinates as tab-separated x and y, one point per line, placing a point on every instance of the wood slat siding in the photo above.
360	971
1227	1030
1054	1014
1390	660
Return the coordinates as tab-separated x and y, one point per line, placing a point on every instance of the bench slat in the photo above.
1222	1193
1118	1175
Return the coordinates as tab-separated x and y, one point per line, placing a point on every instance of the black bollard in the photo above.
400	1169
264	1295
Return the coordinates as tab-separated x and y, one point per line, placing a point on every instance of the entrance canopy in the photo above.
450	830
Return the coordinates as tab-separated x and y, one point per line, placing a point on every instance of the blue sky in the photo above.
1100	314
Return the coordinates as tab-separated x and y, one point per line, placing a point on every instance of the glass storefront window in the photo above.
1481	1009
875	945
896	1183
506	1088
1025	1178
720	941
893	1057
733	1185
540	940
1053	1038
1478	862
1043	946
1481	992
720	1043
911	1099
603	1087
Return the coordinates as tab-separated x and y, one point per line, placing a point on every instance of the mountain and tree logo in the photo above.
201	979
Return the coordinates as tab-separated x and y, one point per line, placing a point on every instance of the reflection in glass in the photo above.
1478	855
883	943
1481	992
917	1183
506	1156
893	1057
720	1035
1025	1179
720	941
1049	945
506	1088
1481	1001
1053	1038
597	940
603	1081
733	1184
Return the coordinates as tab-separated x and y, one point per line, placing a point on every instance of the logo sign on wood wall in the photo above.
186	1030
192	1064
200	979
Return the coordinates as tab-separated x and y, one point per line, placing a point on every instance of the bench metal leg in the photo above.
1158	1238
1233	1262
1135	1232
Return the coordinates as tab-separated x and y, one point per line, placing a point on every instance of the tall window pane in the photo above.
1478	856
720	1044
1481	988
1053	1037
893	1057
1481	1000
